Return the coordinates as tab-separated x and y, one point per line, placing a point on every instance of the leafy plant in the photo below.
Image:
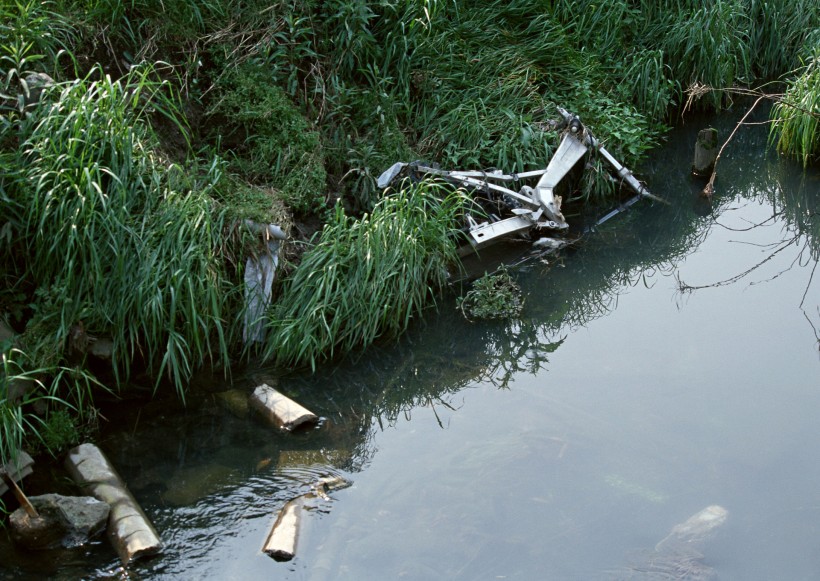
33	34
493	296
59	432
647	81
780	30
269	141
708	44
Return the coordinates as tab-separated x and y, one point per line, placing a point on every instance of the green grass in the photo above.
796	127
268	141
60	390
120	240
367	278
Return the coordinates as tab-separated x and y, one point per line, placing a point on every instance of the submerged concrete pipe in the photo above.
706	151
280	410
130	532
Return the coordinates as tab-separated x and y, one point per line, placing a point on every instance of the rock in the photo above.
696	529
63	521
300	459
678	556
33	86
102	348
191	484
17	387
6	332
706	151
16	470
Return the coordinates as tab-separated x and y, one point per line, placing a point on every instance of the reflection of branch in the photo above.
814	327
805	292
686	288
771	218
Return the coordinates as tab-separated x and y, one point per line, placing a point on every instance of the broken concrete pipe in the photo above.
260	271
284	535
130	532
281	541
706	151
280	410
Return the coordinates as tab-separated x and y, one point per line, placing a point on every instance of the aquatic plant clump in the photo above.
493	296
367	278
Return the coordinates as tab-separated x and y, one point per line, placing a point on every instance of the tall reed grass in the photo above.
796	127
22	386
119	241
33	35
367	278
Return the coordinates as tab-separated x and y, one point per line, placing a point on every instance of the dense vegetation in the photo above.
125	185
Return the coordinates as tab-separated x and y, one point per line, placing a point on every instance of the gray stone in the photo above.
17	470
35	84
63	521
235	401
102	348
706	152
6	332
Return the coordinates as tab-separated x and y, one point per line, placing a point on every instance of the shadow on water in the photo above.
211	477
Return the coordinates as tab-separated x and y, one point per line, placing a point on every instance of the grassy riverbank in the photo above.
124	186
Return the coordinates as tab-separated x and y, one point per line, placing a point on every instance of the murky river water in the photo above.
557	447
